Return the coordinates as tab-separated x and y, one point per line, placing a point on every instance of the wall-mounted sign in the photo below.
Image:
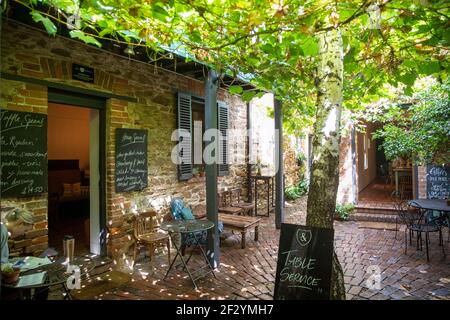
82	73
23	153
438	182
131	159
304	265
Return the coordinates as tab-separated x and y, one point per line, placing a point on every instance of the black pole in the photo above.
249	165
213	241
279	181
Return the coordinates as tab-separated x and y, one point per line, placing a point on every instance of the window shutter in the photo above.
223	120
184	120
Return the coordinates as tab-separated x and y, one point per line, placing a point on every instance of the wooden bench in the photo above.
241	224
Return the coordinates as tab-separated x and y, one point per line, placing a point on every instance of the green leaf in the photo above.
310	47
159	12
48	24
408	78
248	95
236	89
83	37
429	67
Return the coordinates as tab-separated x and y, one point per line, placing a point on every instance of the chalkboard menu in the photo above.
23	154
438	182
131	159
304	263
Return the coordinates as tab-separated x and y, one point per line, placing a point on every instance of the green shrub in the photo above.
296	191
342	211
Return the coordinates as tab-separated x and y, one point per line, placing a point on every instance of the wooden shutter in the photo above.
184	120
223	120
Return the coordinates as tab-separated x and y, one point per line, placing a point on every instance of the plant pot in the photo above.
11	277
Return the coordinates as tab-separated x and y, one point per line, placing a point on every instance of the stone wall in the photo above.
28	98
38	55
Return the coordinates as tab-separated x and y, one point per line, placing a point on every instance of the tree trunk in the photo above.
324	176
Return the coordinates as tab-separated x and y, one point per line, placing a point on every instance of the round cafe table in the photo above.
189	228
57	274
430	204
439	205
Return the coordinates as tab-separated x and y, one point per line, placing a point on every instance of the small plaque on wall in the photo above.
131	159
82	73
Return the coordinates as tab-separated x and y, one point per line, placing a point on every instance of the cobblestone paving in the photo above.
249	273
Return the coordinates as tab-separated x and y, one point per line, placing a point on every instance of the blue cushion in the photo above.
187	214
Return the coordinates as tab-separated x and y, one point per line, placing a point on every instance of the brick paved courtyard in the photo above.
249	273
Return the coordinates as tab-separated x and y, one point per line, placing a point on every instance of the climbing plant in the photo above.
316	56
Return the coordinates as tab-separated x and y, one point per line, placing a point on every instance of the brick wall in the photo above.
28	98
422	181
40	56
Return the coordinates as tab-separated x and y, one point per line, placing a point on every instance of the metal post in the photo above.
249	165
279	203
213	241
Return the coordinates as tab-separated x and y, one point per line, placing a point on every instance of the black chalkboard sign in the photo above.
131	159
23	154
438	182
304	263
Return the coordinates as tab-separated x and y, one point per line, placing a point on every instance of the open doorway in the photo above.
375	176
74	203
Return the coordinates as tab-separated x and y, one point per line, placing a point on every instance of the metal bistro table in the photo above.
56	275
184	228
439	205
430	204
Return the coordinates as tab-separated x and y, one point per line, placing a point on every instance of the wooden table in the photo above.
268	180
241	224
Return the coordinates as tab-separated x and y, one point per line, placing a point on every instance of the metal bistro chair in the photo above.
247	207
146	234
408	216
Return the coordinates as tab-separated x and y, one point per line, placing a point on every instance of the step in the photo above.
376	210
375	217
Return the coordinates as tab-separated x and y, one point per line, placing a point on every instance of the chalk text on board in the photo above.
294	262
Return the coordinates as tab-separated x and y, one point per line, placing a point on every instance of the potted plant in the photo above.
10	274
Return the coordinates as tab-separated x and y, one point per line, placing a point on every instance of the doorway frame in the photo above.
69	97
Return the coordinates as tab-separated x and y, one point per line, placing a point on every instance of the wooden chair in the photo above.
146	234
225	204
247	207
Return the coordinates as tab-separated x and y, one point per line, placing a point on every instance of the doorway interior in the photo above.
76	165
